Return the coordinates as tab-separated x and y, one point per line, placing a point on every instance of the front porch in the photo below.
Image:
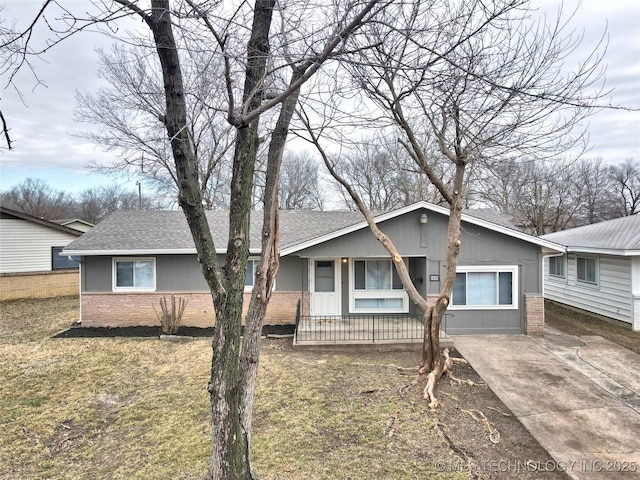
392	331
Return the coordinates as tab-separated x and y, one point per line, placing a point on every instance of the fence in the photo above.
358	328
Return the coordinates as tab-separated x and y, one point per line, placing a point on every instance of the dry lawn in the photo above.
577	322
132	408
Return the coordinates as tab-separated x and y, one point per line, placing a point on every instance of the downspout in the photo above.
544	258
80	261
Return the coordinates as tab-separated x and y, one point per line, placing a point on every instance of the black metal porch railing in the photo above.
358	328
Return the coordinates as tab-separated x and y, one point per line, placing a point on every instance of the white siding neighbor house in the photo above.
30	264
600	271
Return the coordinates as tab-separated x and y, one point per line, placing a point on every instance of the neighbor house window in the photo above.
134	273
377	287
557	266
486	288
63	262
587	269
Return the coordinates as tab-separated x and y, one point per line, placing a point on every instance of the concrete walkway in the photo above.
578	396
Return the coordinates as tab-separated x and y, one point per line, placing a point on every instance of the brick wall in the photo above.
534	314
38	284
137	309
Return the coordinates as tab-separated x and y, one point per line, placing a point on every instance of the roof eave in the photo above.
139	253
605	251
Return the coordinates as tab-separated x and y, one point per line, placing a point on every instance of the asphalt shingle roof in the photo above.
168	230
618	234
153	230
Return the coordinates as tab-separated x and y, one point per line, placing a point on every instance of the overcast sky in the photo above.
41	122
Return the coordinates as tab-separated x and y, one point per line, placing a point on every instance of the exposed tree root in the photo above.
452	377
444	368
504	414
402	370
494	434
432	379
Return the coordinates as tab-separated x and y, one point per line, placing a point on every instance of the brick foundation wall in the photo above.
534	314
38	284
136	309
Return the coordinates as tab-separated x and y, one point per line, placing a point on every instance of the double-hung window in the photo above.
557	266
485	288
587	269
134	274
376	287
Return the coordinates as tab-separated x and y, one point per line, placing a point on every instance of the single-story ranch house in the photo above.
331	266
600	272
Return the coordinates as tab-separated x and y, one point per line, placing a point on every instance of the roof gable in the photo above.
466	217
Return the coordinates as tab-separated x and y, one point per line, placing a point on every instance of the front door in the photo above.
324	283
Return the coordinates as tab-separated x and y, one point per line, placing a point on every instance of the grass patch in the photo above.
133	408
580	323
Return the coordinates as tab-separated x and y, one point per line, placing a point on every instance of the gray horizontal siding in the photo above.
430	240
180	273
498	322
611	297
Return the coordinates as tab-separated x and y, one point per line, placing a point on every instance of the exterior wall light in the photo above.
345	260
424	219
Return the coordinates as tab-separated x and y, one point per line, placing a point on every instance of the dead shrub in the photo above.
171	318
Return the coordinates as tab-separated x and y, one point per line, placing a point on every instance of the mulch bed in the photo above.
94	332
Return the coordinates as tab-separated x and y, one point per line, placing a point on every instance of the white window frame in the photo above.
256	262
561	258
374	294
596	261
114	278
513	269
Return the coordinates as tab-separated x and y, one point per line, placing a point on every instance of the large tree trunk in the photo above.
431	359
230	456
269	261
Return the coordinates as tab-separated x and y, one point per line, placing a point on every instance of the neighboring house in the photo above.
76	224
330	264
30	264
600	271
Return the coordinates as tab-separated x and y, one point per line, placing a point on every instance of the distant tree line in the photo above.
35	197
537	196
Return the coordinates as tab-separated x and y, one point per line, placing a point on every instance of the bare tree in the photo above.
626	184
95	204
482	82
36	198
263	68
384	175
540	196
593	185
548	196
128	114
298	185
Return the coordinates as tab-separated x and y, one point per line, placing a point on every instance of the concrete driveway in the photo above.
578	396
